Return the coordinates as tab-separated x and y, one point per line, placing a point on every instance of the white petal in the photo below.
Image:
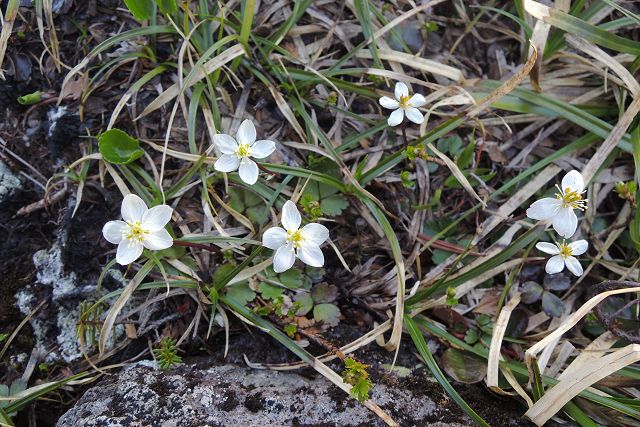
315	233
133	207
554	265
311	254
401	90
548	248
225	143
573	265
248	171
290	216
226	163
284	258
565	222
578	247
396	117
263	148
128	253
246	132
389	103
414	115
156	218
544	208
274	237
417	100
158	240
112	231
573	181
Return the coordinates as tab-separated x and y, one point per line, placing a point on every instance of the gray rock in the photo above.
231	395
9	183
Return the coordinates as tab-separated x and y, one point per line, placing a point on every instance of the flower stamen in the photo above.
571	199
404	102
565	250
295	237
244	150
134	233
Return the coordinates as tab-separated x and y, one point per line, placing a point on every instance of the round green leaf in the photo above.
118	147
329	314
463	367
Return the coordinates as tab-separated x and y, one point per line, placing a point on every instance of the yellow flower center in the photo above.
404	102
244	150
571	199
565	250
134	232
295	237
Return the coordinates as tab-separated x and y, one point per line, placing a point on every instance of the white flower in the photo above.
142	228
292	241
560	209
403	104
236	153
563	255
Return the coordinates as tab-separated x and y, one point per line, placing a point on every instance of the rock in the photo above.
232	395
9	183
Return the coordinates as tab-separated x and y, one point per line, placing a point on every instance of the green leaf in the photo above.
334	205
305	301
140	9
329	314
324	293
241	293
463	367
118	147
30	98
167	6
269	291
552	305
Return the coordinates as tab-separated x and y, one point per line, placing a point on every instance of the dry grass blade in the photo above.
455	170
578	380
607	61
496	342
597	160
117	306
209	67
7	25
287	112
422	64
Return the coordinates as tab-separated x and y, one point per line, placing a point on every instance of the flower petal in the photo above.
263	148
389	103
248	171
290	216
156	218
112	231
274	237
226	163
311	254
554	265
414	115
573	265
578	247
401	90
548	248
315	233
225	143
284	258
417	100
544	208
127	252
573	181
133	207
565	222
396	117
246	132
158	240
